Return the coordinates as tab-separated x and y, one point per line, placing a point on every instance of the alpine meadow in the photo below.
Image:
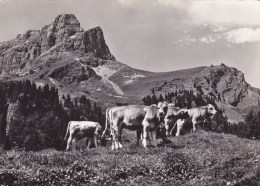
72	114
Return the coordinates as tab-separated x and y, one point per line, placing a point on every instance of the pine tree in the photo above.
154	99
251	121
46	91
67	102
161	98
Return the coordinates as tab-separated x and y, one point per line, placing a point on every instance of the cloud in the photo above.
243	35
226	12
231	36
183	4
223	12
208	39
127	2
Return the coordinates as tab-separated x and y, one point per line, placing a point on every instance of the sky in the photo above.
156	35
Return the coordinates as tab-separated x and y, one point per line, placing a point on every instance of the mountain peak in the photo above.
67	21
63	26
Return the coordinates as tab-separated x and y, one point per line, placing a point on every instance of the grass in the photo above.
200	158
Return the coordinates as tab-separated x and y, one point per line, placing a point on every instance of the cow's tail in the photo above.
107	121
173	127
67	132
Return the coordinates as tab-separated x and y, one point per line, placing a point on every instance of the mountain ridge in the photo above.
79	62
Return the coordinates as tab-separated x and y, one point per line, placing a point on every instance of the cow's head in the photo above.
211	110
162	108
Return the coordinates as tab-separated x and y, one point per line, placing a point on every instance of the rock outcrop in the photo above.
92	41
224	82
61	29
73	73
62	36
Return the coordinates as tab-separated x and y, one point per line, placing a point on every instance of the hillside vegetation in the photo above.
199	158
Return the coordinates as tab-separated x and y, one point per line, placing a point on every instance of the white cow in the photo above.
200	114
197	115
142	119
78	130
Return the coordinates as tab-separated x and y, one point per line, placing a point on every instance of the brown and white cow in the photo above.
142	119
78	130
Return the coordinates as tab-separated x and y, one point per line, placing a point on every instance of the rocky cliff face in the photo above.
228	87
225	83
61	29
61	54
62	36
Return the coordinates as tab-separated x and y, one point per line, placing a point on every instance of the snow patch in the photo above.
132	78
105	72
53	81
73	37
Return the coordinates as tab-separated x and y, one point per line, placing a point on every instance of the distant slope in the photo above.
178	80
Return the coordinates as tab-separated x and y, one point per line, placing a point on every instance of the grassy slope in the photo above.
194	159
142	86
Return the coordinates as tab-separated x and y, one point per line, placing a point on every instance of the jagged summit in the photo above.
61	28
62	38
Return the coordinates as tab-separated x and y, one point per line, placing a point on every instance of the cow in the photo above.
78	130
197	115
200	114
142	119
173	114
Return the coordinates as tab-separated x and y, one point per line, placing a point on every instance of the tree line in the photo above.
34	117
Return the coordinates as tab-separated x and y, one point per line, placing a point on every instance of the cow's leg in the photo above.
145	133
154	140
138	133
117	133
179	128
167	127
112	133
69	143
96	140
74	143
89	142
120	137
116	144
194	123
178	131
